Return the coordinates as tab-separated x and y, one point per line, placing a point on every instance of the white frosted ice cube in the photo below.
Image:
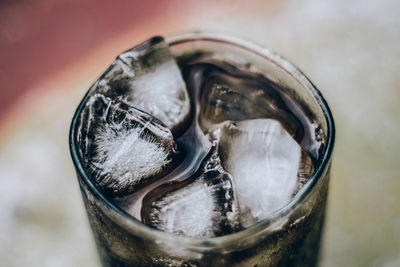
200	206
162	93
263	160
148	78
124	148
188	212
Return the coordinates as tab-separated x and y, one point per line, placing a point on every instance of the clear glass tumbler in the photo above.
289	237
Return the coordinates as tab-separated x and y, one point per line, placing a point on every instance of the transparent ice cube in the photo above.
228	96
123	147
223	103
148	78
264	161
201	206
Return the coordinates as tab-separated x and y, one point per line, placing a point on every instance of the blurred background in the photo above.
52	51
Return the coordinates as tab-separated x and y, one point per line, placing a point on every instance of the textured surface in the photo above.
349	49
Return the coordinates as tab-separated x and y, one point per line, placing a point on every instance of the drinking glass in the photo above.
289	237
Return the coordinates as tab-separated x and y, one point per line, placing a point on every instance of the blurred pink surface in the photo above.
41	38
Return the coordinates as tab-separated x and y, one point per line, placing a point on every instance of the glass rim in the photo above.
205	244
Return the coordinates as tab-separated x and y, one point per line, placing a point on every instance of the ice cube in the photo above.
124	148
263	160
226	96
202	206
148	78
223	103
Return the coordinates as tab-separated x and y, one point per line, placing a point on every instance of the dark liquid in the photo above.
221	92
